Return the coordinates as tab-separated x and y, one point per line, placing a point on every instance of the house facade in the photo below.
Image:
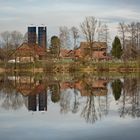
97	52
28	53
67	54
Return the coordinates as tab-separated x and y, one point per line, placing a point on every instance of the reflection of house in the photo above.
99	50
40	95
95	87
34	90
83	88
27	53
66	85
99	84
23	84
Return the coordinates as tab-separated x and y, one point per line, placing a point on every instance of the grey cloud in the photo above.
17	14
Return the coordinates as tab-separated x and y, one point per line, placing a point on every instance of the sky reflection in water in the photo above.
70	108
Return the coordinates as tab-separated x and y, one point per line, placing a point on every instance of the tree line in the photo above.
126	44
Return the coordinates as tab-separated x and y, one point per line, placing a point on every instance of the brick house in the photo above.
99	51
67	54
28	53
98	86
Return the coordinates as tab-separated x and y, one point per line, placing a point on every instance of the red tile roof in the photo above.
27	49
64	53
99	50
100	45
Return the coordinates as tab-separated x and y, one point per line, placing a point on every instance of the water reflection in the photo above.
117	89
130	102
87	96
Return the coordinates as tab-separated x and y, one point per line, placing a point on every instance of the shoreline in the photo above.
65	70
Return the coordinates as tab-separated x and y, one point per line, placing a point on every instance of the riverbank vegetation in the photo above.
123	56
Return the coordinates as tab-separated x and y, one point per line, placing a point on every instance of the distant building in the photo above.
32	35
38	101
32	103
66	54
42	37
42	101
28	53
99	51
33	89
98	86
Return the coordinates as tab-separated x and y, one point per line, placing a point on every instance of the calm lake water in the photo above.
69	107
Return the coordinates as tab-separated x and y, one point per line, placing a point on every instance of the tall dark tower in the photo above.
32	35
32	103
43	101
42	37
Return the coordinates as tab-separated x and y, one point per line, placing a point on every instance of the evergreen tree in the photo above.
55	46
116	48
117	89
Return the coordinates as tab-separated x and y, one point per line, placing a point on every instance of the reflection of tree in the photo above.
117	89
96	105
65	100
55	92
131	98
76	102
103	106
89	111
10	99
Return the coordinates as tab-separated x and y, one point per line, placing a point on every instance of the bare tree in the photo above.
122	31
138	35
64	36
6	37
106	33
88	27
75	35
132	33
130	36
99	31
25	37
103	32
11	40
16	38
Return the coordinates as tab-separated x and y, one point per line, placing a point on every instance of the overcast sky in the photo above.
18	14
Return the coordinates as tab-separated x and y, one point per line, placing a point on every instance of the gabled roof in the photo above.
101	45
64	53
39	50
99	55
27	50
30	89
99	84
98	51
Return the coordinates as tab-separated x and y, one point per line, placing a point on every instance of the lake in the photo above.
69	107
